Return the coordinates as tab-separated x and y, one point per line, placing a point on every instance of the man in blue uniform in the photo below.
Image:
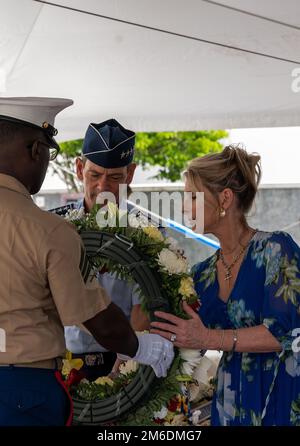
106	163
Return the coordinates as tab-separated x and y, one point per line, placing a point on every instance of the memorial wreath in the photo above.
128	246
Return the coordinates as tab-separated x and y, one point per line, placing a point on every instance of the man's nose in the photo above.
102	184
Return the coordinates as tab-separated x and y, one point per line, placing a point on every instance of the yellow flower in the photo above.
154	233
169	417
186	288
112	208
69	364
178	420
102	380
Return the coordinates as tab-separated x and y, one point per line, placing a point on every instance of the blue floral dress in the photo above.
257	388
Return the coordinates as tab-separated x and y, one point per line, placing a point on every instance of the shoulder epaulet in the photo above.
62	210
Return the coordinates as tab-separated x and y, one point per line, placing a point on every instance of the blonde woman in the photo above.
250	299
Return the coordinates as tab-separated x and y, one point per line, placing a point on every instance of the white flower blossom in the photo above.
191	359
173	244
196	415
138	220
196	391
204	371
128	367
84	381
189	354
171	262
187	368
161	414
74	214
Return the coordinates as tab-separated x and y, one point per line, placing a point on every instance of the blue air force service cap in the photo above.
35	112
109	144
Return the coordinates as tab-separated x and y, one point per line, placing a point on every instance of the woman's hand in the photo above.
190	333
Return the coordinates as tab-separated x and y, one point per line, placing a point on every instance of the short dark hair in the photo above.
83	159
9	130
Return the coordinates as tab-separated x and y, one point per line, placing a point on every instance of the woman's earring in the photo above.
222	212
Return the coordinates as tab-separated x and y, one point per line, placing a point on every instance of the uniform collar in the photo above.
11	183
79	204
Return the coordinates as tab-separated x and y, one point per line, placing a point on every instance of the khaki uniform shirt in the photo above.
41	285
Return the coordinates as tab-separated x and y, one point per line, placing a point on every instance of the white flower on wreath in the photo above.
154	233
161	414
205	370
137	220
196	417
191	358
186	288
128	367
74	214
173	244
171	262
201	369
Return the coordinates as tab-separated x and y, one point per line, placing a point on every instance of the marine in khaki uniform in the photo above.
44	283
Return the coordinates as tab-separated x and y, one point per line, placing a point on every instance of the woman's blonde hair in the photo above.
232	168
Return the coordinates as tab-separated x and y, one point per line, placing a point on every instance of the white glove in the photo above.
153	350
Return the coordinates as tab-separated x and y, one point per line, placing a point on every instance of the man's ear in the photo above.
79	168
35	151
130	172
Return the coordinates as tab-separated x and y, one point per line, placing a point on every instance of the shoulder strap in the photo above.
62	210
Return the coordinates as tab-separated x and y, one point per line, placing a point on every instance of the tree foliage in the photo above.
169	151
64	165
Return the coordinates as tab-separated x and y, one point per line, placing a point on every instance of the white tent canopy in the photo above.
148	79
